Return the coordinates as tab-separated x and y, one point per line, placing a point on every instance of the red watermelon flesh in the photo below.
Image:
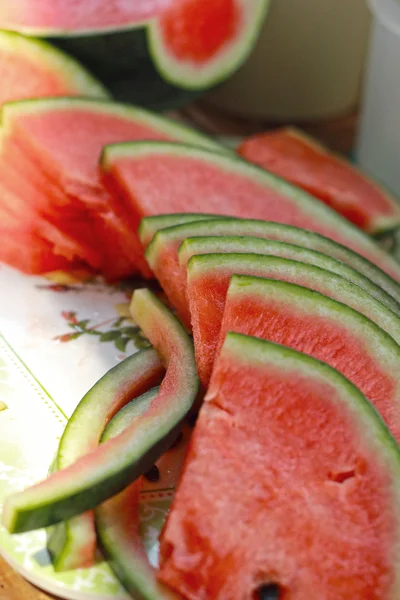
288	481
64	139
302	161
49	239
156	178
71	236
30	253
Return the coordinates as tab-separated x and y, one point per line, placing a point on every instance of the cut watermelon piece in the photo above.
303	493
324	328
31	68
108	469
117	520
72	544
302	161
162	256
63	139
153	177
208	281
19	198
31	254
192	44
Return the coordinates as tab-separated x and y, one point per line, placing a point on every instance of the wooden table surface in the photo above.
337	134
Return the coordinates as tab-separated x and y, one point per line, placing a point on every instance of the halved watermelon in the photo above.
302	161
62	139
72	544
117	520
290	487
154	177
193	44
31	68
162	255
108	469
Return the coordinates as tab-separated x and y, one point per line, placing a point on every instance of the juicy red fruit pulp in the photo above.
195	30
299	492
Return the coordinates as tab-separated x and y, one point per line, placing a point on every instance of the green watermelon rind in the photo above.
259	246
129	563
149	226
57	60
11	110
300	237
112	466
66	540
343	291
133	410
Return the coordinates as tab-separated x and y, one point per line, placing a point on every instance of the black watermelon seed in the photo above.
192	418
152	474
268	591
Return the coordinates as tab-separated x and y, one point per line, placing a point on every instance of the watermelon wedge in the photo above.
208	281
324	328
218	183
117	520
302	161
72	544
170	269
192	44
62	139
296	486
31	68
108	469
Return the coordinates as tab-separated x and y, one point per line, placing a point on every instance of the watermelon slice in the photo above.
193	44
218	183
208	281
302	161
319	326
290	488
31	68
108	469
62	139
117	520
72	544
162	255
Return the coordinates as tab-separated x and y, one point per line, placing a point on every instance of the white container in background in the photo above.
307	63
378	149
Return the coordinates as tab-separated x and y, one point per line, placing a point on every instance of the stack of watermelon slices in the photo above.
51	185
290	487
281	469
78	175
